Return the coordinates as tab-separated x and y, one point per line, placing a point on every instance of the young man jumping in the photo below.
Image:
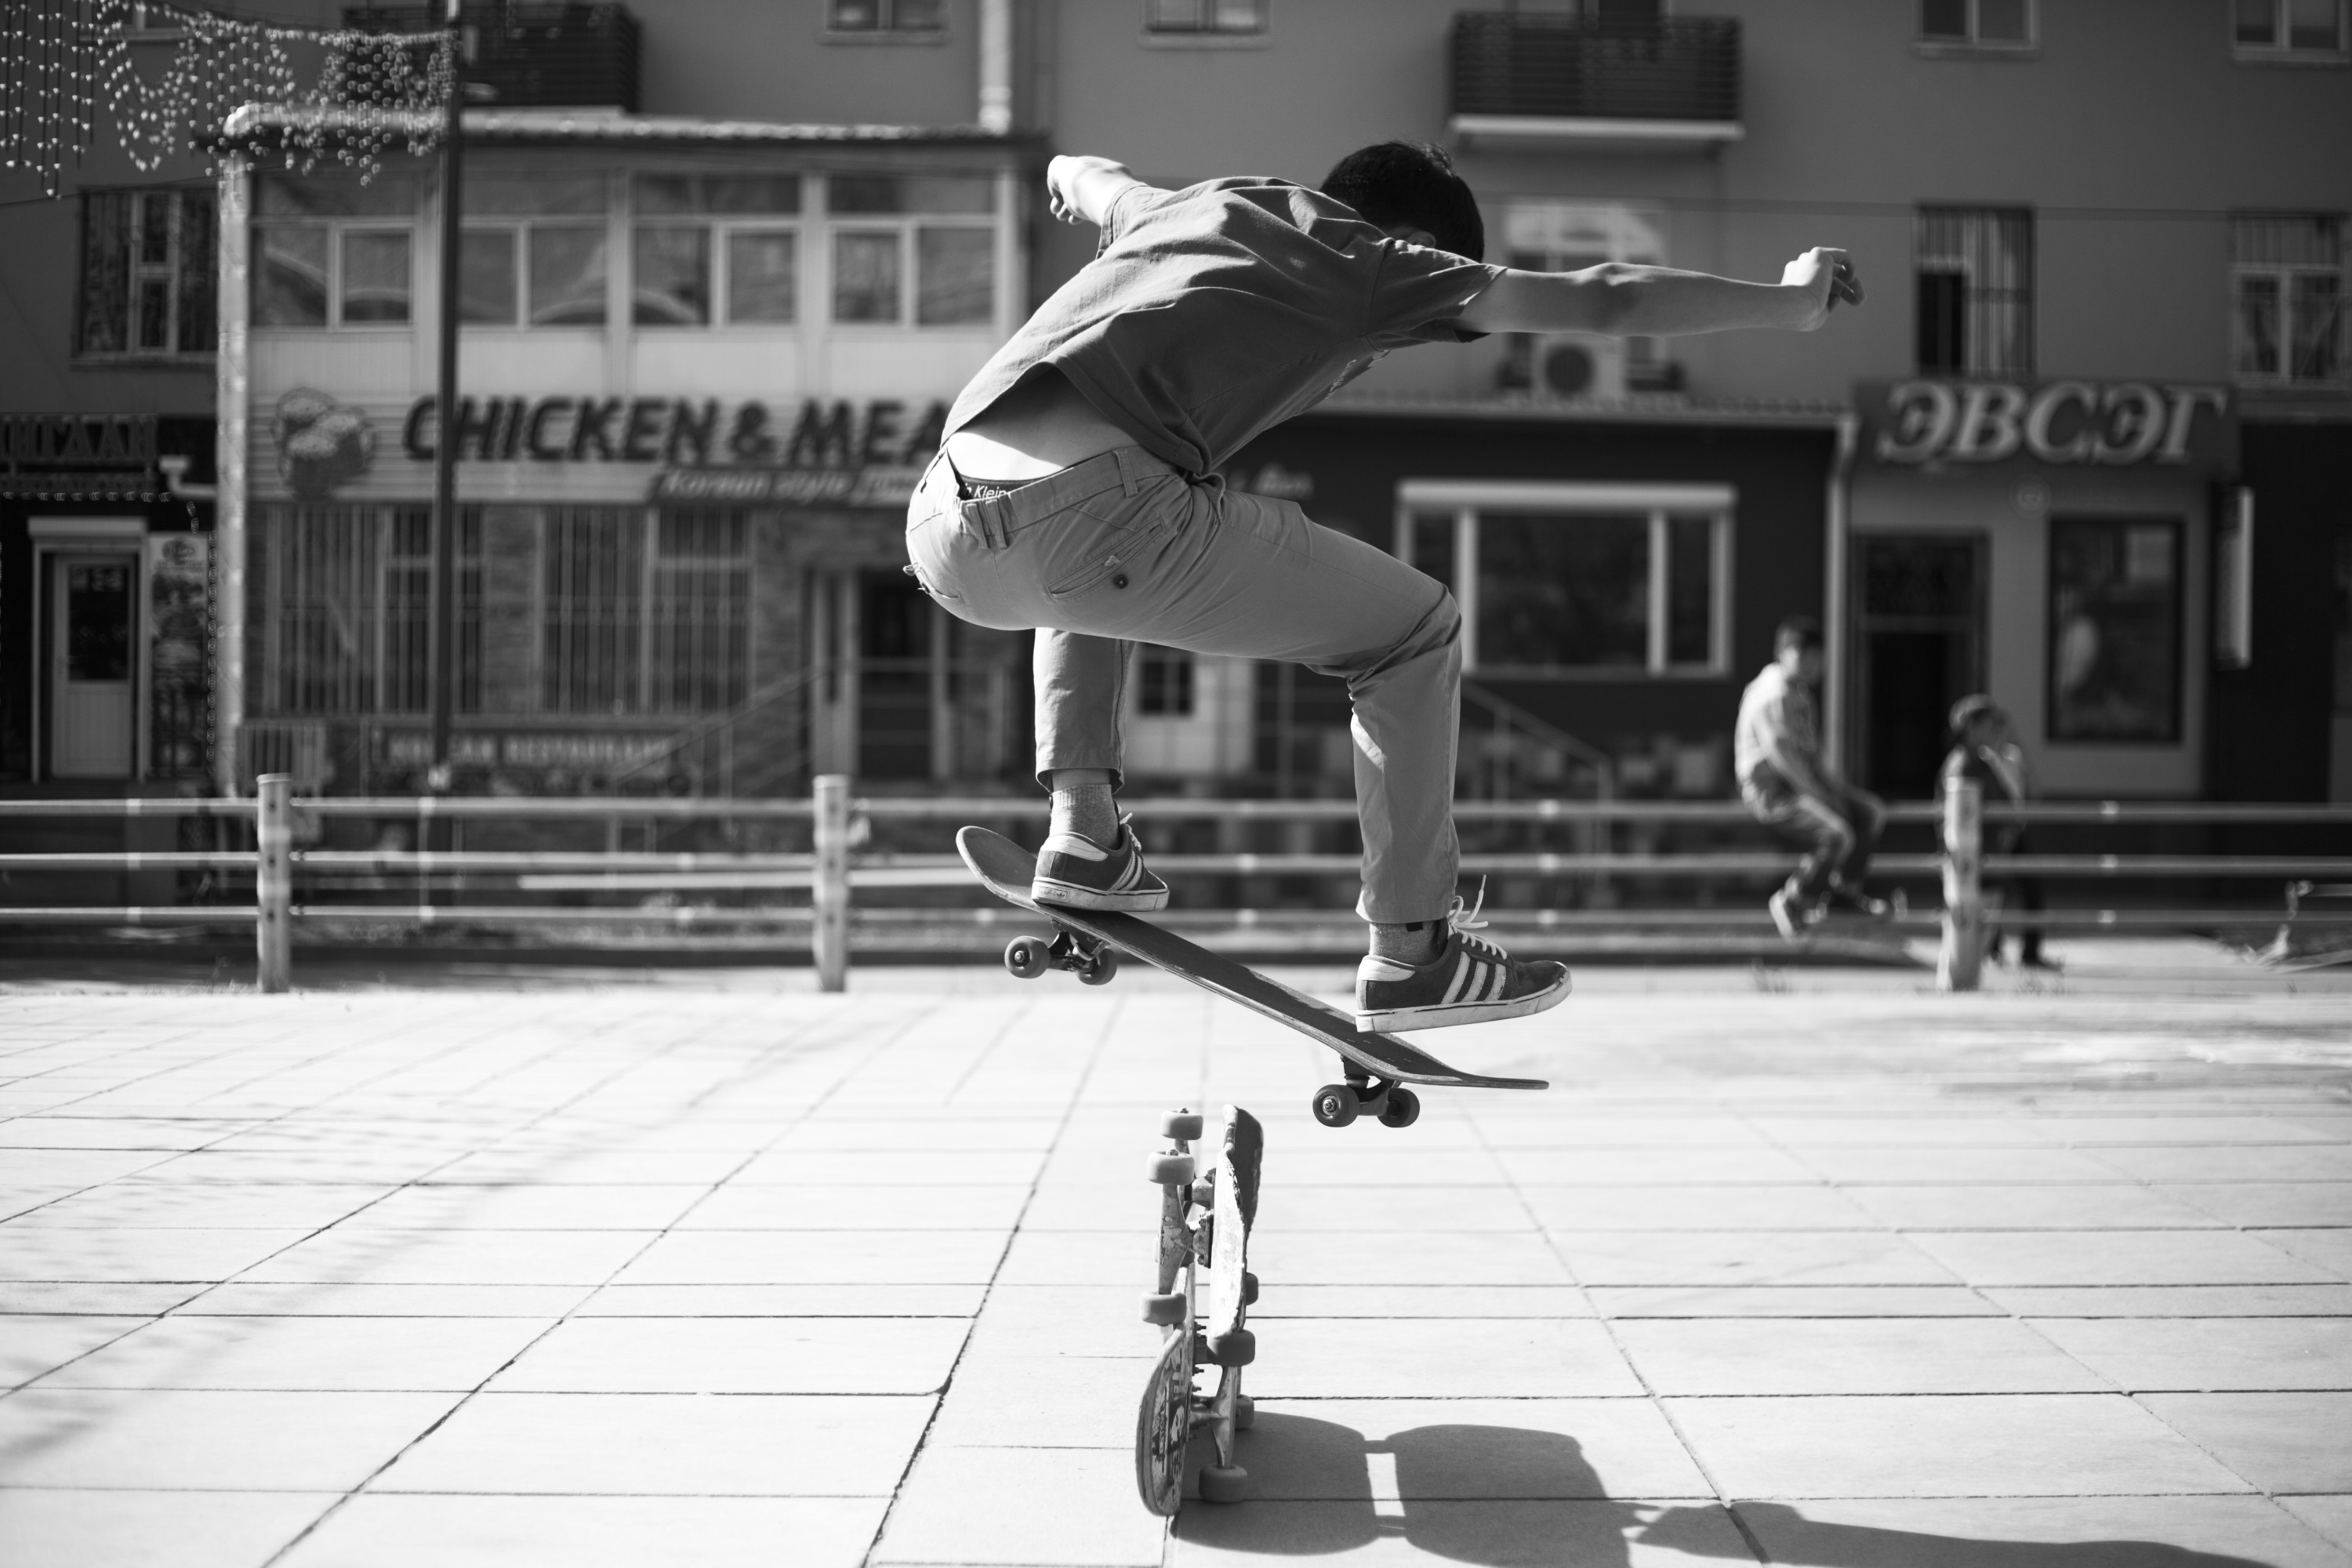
1077	492
1776	750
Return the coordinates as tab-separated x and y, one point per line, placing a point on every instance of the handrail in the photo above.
704	728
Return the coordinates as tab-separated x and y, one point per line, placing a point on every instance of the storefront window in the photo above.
487	288
346	591
375	275
638	619
333	252
691	226
538	228
290	278
944	240
1560	591
866	276
2114	631
763	277
672	285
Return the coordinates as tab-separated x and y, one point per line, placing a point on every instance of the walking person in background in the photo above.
1777	752
1985	748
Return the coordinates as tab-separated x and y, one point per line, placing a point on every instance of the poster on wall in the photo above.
178	654
2115	629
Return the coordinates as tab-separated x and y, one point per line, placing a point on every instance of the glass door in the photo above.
1919	647
92	694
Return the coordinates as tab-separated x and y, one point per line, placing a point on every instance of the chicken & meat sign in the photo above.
1965	425
745	453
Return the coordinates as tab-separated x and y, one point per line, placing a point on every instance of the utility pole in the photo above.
442	636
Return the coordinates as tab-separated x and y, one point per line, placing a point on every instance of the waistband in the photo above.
999	517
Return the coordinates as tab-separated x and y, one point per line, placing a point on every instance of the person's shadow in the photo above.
1512	1497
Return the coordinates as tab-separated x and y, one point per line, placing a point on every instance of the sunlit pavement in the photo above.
705	1269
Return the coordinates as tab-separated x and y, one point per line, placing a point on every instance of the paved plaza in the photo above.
714	1270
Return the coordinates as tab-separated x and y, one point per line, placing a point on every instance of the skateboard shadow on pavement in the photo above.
1509	1497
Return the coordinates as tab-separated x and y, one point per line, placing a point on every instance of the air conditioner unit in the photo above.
1577	367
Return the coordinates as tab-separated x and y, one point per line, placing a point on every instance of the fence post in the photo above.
829	889
1962	957
273	884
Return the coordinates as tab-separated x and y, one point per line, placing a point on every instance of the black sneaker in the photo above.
1073	869
1795	916
1471	981
1859	903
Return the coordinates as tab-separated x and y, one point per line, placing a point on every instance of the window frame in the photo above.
2284	273
719	277
886	31
2055	728
2285	54
1972	292
826	225
334	226
1469	501
174	273
1976	46
1206	34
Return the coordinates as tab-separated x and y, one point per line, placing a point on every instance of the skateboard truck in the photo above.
1204	1220
1092	961
1364	1094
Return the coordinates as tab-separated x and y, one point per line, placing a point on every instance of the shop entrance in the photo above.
91	694
903	690
1919	646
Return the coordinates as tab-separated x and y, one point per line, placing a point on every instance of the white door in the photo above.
92	689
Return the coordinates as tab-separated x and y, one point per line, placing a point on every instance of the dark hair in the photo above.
1411	185
1797	631
1968	711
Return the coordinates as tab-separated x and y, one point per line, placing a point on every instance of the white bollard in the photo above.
273	884
829	889
1962	958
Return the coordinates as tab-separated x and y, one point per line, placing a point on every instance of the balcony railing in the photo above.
1531	73
551	54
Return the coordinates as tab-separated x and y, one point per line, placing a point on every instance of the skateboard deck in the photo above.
1205	1219
1005	868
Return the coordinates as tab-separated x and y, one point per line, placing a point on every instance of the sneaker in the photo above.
1795	916
1859	903
1471	981
1073	869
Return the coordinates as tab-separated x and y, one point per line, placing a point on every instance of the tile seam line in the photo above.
603	1082
868	1557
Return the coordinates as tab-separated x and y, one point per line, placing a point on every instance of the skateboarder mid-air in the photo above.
1777	752
1077	492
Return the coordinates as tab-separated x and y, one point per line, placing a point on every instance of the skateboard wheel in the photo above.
1170	1169
1185	1124
1235	1347
1249	1288
1335	1105
1402	1110
1245	1412
1025	957
1223	1483
1163	1311
1099	972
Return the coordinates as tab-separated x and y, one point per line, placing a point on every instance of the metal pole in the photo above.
273	885
443	636
829	887
1962	957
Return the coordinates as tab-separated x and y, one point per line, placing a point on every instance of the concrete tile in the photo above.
1329	1211
40	1298
1385	1450
1747	1257
245	1167
740	1355
951	1511
2285	1442
996	1207
1903	1165
207	1205
2012	1533
666	1444
1653	1167
1569	1131
2139	1354
785	1301
825	1258
1438	1358
33	1344
2019	1445
895	1167
2329	1516
1522	1534
1900	1356
2173	1300
1119	1203
2077	1208
73	1167
56	1528
591	1168
389	1531
1063	1321
1414	1257
1078	1258
129	1256
1696	1208
563	1207
870	1135
206	1441
2271	1163
2092	1132
2328	1249
388	1257
1908	1130
1282	1299
2270	1203
2115	1257
66	1131
305	1354
1045	1402
238	1300
1329	1163
1790	1301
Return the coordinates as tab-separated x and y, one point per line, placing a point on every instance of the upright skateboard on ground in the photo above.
1089	941
1204	1222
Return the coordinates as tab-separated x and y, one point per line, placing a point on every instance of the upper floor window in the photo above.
2287	286
1977	24
913	248
1975	300
535	251
333	252
716	247
1179	18
2288	29
885	17
147	273
1568	237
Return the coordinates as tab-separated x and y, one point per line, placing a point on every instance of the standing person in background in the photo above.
1985	748
1777	751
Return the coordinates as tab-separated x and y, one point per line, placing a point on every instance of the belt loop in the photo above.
1129	479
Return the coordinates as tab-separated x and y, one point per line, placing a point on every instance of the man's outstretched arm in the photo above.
1081	189
1626	300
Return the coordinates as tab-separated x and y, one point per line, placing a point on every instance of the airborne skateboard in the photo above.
1089	941
1204	1222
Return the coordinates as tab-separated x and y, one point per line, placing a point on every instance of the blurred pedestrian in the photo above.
1985	748
1777	751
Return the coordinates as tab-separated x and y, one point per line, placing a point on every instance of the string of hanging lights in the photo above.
62	61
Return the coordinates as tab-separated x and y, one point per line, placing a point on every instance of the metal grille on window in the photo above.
1975	291
593	609
347	589
700	641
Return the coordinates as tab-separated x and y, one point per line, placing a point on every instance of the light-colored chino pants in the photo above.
1123	549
